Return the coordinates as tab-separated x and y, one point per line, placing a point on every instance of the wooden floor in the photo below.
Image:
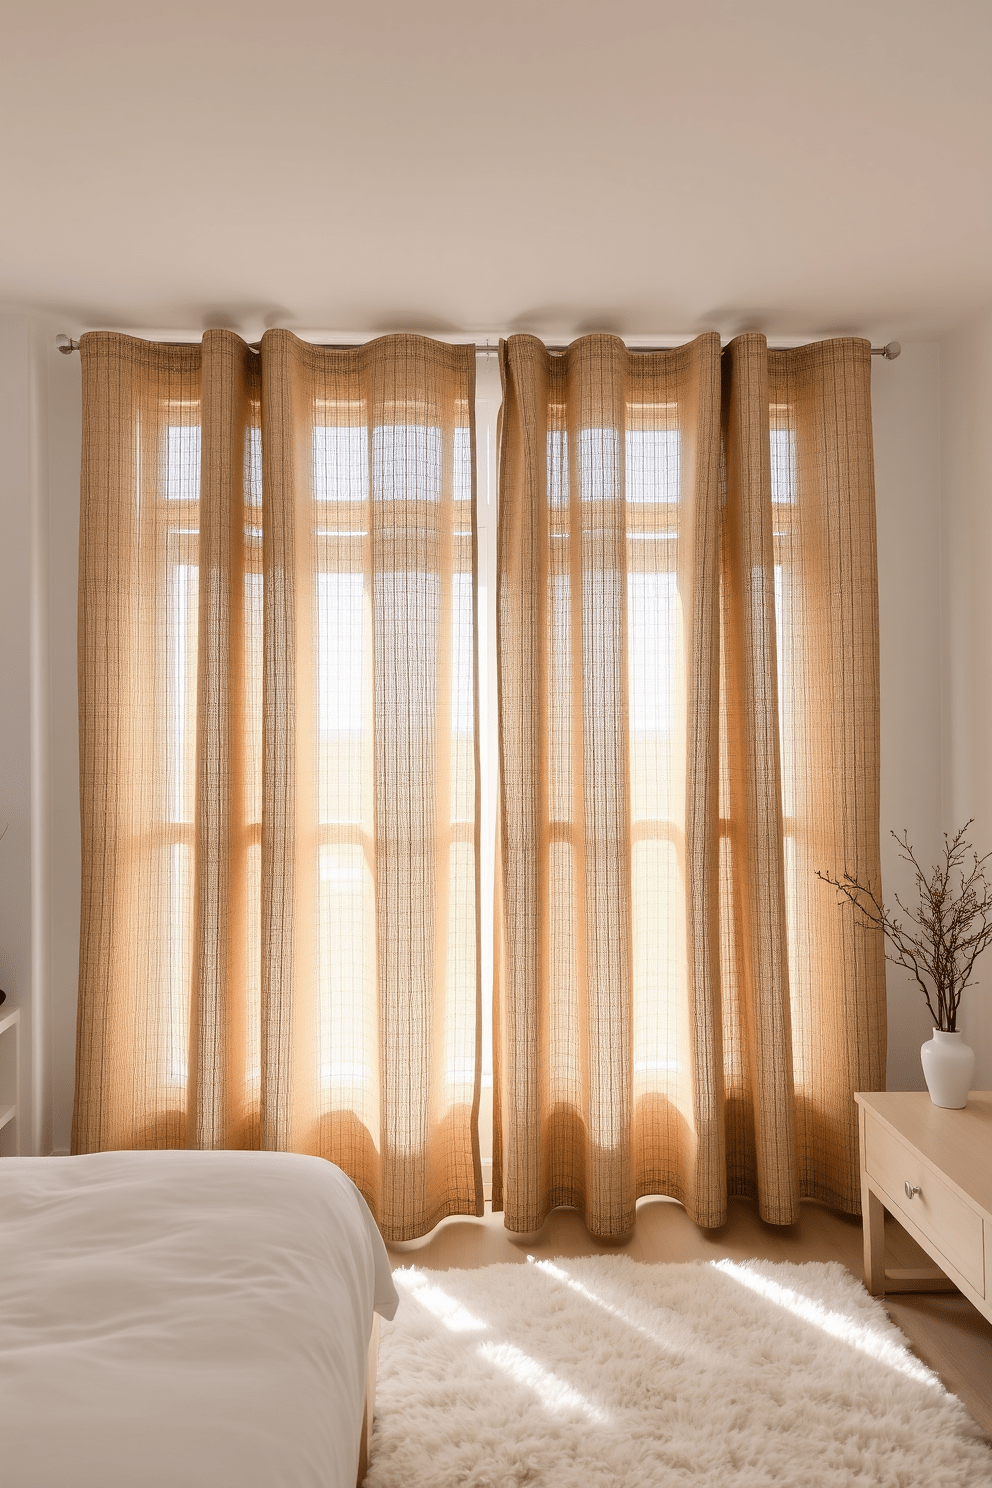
945	1330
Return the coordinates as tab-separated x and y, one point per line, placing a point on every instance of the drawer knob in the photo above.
911	1189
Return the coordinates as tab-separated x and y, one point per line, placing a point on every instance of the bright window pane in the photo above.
182	462
340	463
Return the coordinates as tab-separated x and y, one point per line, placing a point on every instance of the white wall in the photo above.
39	855
905	398
966	704
39	859
62	392
23	771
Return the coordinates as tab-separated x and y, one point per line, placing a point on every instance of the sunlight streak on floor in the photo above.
554	1394
671	1344
859	1335
451	1313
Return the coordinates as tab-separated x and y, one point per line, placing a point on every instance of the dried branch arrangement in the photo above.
948	931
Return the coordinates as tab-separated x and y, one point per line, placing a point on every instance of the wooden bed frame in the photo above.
371	1369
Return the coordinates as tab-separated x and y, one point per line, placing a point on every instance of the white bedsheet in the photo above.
184	1319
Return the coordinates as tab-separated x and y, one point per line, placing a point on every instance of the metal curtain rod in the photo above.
67	346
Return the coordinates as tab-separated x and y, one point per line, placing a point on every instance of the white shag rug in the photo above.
603	1371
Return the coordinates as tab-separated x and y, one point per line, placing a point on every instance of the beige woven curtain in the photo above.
688	668
278	698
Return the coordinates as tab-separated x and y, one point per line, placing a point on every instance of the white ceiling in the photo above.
555	165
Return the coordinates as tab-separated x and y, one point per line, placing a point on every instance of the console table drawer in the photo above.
948	1222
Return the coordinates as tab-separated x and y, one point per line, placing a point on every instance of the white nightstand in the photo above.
10	1092
932	1169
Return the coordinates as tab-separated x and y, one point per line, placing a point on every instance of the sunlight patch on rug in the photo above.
603	1372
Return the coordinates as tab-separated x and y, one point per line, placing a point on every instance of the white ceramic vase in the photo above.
948	1065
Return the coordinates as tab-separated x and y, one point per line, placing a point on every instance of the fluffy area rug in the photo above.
602	1372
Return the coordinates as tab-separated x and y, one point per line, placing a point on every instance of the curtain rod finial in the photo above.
66	345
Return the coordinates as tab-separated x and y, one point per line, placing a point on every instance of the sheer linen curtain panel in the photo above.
688	679
279	737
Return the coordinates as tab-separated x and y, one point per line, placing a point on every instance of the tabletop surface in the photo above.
957	1143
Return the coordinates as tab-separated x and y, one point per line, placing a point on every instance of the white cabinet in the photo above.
932	1169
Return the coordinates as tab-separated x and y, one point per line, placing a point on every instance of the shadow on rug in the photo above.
603	1371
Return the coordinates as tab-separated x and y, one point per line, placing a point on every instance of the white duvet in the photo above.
184	1319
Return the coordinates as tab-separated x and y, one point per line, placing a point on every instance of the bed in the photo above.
194	1318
